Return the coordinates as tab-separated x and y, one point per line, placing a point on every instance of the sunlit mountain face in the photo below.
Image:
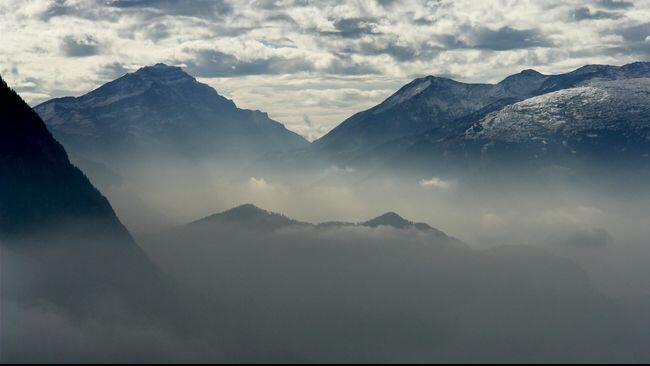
376	181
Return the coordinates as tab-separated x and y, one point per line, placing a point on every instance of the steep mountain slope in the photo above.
161	109
62	244
40	189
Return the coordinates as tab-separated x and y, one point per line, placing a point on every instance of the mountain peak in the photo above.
250	217
531	72
396	221
524	83
527	74
163	73
247	209
389	219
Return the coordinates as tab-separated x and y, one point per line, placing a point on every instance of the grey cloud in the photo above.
282	18
211	63
275	4
502	39
157	31
637	33
422	21
55	9
79	47
386	3
112	71
344	65
615	4
402	53
353	28
192	8
636	41
584	13
91	10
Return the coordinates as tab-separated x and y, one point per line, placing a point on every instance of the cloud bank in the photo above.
323	59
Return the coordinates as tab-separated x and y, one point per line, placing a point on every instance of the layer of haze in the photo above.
548	271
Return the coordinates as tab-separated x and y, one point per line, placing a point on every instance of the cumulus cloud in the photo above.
252	51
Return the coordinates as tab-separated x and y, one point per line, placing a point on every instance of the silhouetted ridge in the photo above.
391	219
39	187
249	216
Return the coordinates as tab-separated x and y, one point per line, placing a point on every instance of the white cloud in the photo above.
435	183
259	185
325	59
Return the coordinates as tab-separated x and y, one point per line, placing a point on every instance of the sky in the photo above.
310	64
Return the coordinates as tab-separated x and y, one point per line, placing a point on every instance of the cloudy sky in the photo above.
310	63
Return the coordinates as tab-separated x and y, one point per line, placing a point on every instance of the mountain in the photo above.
251	218
602	125
349	293
62	244
40	188
248	217
423	104
394	220
437	109
161	110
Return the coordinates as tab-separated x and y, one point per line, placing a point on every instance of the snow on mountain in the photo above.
599	106
440	108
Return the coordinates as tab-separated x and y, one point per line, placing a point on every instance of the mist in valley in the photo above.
154	220
528	271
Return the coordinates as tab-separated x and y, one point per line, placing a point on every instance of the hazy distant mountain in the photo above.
383	291
394	220
252	218
162	110
432	110
246	217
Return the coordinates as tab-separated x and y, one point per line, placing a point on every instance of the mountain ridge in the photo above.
431	104
256	218
161	109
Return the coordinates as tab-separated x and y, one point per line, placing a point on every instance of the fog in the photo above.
533	271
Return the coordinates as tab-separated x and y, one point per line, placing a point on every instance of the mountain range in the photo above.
440	109
597	113
253	218
295	291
